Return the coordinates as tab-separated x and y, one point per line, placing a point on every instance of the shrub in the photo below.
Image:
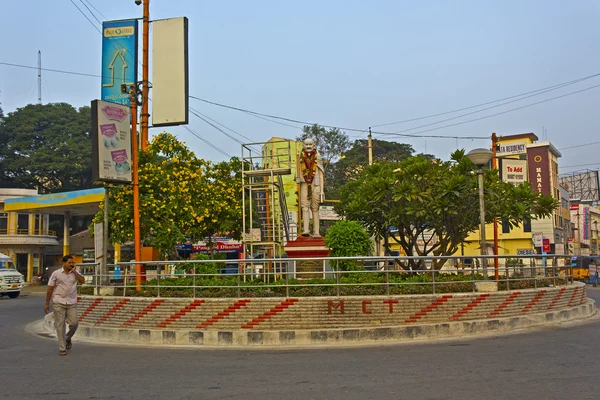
347	239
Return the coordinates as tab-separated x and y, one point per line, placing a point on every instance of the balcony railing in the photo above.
25	232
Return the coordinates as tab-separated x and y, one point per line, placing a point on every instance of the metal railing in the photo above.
331	276
26	232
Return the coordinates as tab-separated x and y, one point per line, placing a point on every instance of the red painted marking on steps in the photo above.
148	309
504	304
190	307
583	297
90	308
575	293
533	302
557	298
112	311
417	316
284	305
229	310
469	307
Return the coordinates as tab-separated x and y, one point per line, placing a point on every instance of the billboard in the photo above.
582	186
119	59
509	149
513	171
539	170
170	83
111	142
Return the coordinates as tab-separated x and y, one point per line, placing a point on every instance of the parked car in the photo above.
11	280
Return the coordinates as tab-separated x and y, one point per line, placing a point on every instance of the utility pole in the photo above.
39	77
145	87
136	188
495	166
370	147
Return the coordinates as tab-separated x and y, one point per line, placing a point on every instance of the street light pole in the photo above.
480	157
482	221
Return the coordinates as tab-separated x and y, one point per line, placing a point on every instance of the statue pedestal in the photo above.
308	247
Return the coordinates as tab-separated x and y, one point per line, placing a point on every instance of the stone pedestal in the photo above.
307	247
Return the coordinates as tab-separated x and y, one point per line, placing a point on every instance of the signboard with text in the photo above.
119	59
514	171
111	142
506	149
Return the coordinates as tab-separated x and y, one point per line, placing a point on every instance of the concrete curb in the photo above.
328	337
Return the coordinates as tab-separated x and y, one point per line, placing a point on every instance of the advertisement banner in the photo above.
546	246
513	171
119	59
537	239
539	169
111	142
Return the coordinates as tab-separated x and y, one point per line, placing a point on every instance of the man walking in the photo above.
62	290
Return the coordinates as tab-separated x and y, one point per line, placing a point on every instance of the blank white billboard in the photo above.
170	72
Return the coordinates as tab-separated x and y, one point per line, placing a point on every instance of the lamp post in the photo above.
480	157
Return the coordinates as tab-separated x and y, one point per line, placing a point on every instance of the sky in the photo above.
347	63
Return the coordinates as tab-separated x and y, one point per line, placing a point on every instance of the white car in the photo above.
11	280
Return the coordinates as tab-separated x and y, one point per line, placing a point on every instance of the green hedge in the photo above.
353	284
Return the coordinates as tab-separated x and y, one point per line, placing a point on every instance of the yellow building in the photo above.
24	235
521	158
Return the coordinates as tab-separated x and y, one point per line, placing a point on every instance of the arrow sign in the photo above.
111	66
119	59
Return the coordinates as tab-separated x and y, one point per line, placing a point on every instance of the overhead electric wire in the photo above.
51	70
206	141
91	12
195	112
86	17
579	145
98	11
558	86
217	128
416	134
487	108
267	116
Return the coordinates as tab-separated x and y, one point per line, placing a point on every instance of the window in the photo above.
505	226
526	224
22	224
3	223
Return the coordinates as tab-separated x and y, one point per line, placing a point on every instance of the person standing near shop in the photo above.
62	290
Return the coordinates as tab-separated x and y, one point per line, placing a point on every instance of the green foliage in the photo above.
434	204
182	198
356	159
348	239
46	146
331	143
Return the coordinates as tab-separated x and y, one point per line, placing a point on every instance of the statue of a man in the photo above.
310	174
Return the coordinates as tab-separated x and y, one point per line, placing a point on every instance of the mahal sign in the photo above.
111	142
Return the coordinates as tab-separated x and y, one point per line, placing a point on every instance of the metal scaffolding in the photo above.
266	221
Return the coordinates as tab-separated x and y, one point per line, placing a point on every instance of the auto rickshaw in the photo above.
581	267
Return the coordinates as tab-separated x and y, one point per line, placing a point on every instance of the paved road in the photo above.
554	363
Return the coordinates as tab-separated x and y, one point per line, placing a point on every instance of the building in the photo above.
24	235
522	158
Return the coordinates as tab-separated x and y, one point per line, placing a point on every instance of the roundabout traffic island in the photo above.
298	321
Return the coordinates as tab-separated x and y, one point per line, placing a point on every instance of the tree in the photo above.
47	147
181	198
433	204
355	160
331	143
347	239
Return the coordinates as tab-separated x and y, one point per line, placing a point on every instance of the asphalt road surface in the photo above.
559	362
